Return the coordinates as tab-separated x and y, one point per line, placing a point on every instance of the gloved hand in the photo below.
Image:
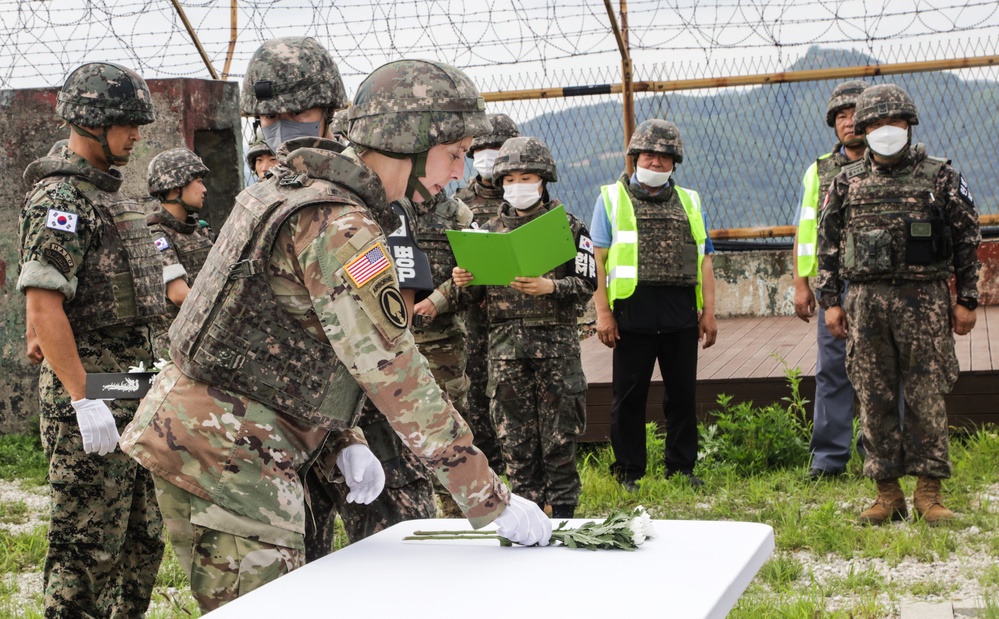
100	434
523	522
363	473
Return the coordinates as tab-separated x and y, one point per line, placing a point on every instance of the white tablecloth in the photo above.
692	570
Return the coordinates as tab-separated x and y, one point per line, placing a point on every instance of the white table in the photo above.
692	570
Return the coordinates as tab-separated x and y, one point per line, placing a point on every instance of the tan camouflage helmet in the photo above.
657	136
409	106
291	74
503	129
102	94
258	147
883	101
524	154
843	96
173	169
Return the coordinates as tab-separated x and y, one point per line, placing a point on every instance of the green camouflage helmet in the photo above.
407	107
503	129
657	136
173	169
883	101
291	74
525	155
102	94
257	148
339	125
843	96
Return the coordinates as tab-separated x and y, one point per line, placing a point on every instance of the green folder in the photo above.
535	248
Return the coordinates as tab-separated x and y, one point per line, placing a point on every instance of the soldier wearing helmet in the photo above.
485	198
175	180
897	223
259	155
536	382
93	283
655	299
832	430
297	314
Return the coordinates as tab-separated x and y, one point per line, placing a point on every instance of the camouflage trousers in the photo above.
476	412
408	493
899	336
539	409
105	535
224	555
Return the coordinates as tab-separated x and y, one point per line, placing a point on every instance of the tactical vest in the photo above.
666	229
431	232
232	332
191	242
505	303
817	180
121	281
484	201
893	223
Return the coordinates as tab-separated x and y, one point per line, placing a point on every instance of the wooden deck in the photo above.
746	364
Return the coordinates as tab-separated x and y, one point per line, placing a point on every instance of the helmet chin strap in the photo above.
190	209
102	139
413	185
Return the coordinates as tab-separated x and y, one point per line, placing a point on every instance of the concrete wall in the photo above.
201	115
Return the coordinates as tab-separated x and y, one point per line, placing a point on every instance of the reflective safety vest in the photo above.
622	258
818	178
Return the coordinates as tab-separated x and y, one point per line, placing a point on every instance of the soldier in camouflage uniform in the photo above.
655	299
536	384
296	314
897	223
484	198
259	155
93	282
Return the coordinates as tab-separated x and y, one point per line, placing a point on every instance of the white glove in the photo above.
523	522
363	473
100	434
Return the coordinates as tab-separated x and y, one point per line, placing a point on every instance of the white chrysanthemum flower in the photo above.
138	368
160	364
637	530
647	526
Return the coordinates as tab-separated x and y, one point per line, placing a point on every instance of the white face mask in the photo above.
522	196
652	179
483	161
888	141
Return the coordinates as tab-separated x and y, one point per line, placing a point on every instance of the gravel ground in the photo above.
957	576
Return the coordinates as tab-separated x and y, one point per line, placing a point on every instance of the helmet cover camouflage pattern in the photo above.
174	169
102	94
843	96
339	124
525	155
409	106
883	101
503	129
257	148
657	136
291	74
58	147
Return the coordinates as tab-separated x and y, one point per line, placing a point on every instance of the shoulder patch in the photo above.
854	169
59	258
61	220
585	243
162	243
368	265
963	191
393	307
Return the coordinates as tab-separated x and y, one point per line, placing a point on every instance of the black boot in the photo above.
563	511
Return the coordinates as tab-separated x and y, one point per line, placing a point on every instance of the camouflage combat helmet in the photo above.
883	101
173	169
291	74
503	129
657	136
257	148
525	155
338	128
407	107
843	96
102	94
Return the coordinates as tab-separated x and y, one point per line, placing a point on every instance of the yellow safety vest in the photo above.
622	258
808	235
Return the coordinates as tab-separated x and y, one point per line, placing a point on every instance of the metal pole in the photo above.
233	33
628	101
194	37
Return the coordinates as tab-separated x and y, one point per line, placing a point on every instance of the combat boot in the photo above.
926	499
563	511
890	504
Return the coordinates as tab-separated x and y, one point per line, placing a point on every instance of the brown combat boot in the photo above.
890	504
926	499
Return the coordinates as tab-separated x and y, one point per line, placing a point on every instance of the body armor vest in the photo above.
232	332
827	169
121	281
505	303
893	222
484	201
432	238
191	242
667	252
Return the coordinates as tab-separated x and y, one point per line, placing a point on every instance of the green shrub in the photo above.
21	457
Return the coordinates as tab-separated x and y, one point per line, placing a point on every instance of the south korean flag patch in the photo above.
162	243
61	221
585	243
964	192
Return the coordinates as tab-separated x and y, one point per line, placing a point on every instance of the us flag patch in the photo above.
368	265
61	220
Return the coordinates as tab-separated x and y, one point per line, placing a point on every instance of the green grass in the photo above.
21	458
